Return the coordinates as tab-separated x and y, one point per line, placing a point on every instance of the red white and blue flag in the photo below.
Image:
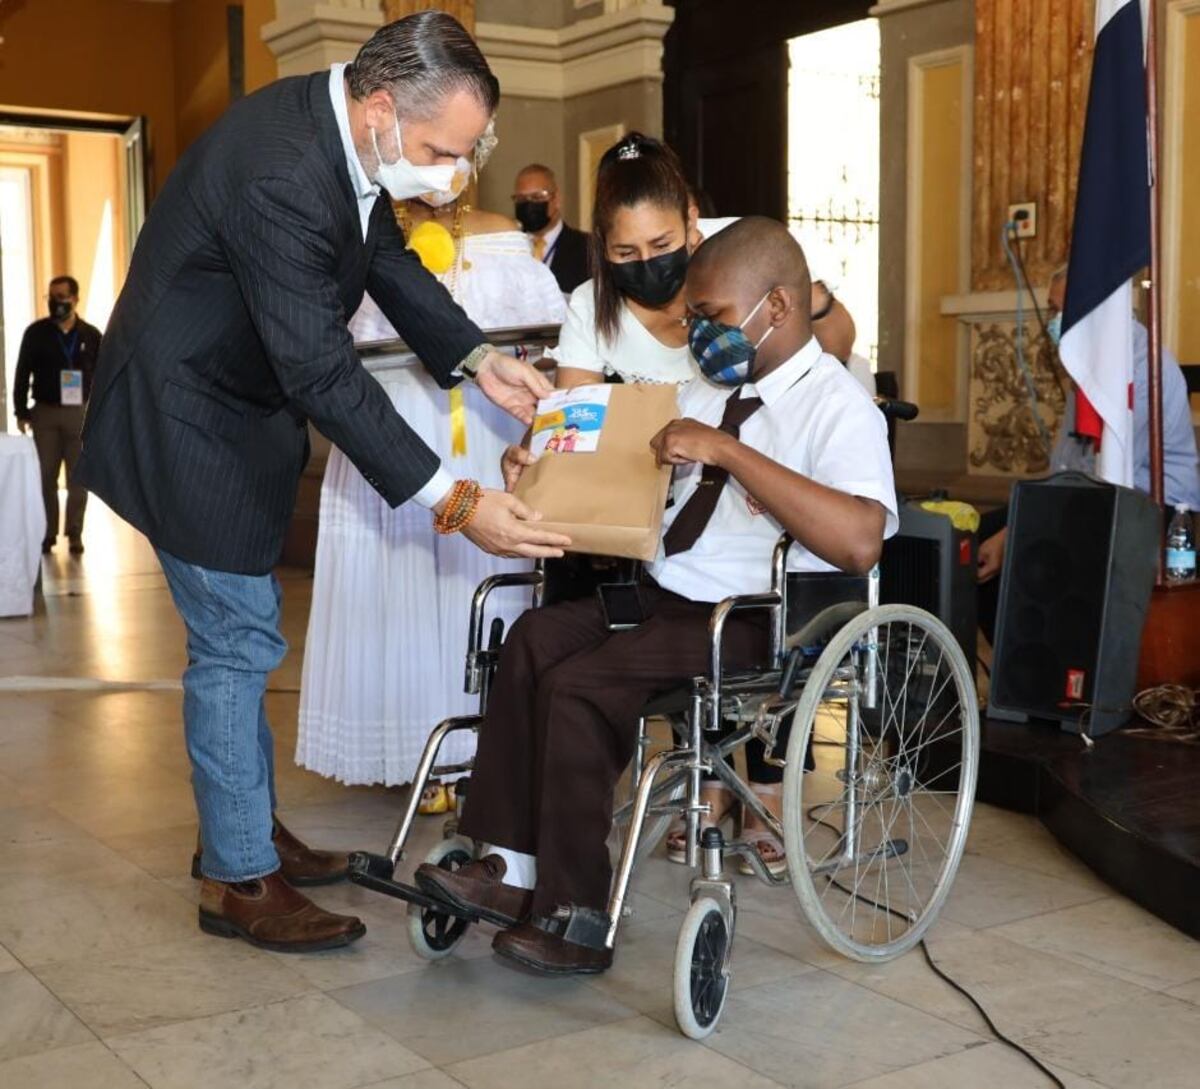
1110	242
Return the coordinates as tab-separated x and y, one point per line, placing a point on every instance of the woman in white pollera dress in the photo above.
383	661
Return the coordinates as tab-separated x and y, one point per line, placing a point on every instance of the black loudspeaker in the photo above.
931	564
1079	567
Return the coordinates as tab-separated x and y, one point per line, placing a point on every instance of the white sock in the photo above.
520	870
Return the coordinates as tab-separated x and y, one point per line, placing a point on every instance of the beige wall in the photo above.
201	63
530	130
905	34
93	178
1181	266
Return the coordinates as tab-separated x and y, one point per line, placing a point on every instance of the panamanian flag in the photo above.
1110	242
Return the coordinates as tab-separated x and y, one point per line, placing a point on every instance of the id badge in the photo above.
71	387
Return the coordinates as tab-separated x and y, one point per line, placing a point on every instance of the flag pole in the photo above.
1155	296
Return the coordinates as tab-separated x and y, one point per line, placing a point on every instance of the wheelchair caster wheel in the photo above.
434	934
701	971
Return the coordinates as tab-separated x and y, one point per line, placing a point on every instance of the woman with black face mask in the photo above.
628	321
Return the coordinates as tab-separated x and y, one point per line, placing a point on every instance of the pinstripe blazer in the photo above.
230	334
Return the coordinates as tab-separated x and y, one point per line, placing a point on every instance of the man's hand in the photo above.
514	385
684	442
23	426
991	556
513	464
504	526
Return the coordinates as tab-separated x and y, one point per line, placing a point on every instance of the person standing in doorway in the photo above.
538	208
56	363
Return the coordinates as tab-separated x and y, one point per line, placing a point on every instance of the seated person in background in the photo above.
1181	468
784	439
834	328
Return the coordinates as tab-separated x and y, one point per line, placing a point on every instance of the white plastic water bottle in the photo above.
1181	547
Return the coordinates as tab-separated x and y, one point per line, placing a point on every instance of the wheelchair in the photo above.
869	710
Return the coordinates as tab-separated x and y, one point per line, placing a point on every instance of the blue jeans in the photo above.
233	642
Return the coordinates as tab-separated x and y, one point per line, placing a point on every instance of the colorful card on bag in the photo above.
570	421
71	387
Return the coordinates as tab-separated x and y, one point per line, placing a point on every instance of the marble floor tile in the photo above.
988	893
1113	936
992	1065
643	969
133	912
165	851
1035	848
8	963
32	1019
633	1054
36	824
1153	1043
139	807
817	1031
1019	987
1189	992
309	1042
83	1066
506	1008
146	986
422	1079
32	871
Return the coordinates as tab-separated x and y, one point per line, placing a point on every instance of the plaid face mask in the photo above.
724	353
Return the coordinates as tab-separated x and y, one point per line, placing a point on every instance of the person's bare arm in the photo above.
844	530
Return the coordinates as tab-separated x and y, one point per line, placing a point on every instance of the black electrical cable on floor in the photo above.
933	966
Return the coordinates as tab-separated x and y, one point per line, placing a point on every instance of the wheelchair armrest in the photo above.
772	601
534	578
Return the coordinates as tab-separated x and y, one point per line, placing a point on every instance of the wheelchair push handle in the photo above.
897	410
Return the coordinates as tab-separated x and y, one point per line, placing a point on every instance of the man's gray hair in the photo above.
419	60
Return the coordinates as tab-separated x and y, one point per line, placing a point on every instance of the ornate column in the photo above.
307	36
462	10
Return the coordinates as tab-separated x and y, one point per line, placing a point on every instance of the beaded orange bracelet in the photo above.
460	507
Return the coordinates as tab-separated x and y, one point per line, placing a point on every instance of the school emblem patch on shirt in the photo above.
754	506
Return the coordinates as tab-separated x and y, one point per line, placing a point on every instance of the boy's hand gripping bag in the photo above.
595	478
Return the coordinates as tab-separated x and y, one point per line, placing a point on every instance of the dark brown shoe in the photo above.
532	947
268	913
478	888
300	865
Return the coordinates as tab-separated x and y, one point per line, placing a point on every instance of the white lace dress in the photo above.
387	632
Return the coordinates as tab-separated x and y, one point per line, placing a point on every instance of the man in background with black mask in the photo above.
537	208
58	356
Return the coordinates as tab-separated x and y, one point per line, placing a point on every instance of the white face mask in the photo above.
436	185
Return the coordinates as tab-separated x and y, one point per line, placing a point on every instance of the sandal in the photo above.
768	845
724	806
437	798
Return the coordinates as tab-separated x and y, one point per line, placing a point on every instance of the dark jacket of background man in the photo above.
231	333
569	261
43	358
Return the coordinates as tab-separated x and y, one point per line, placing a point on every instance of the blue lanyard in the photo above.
549	254
68	346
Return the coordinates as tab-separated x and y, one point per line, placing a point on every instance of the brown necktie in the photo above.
539	248
698	510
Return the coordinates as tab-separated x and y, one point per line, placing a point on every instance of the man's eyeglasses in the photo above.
538	196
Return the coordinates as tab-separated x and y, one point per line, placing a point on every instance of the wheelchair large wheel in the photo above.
875	831
434	934
701	981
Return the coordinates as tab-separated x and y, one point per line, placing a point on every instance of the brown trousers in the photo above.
561	726
56	433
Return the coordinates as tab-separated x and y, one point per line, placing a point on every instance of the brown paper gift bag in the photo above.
603	490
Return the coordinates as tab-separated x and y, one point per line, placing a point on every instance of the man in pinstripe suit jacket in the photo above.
230	334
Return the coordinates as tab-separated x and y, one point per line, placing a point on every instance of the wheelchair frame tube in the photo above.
395	850
641	803
473	678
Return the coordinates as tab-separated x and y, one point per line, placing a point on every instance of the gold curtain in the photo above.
462	10
1032	65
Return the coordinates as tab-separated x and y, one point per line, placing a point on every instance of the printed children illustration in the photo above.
563	440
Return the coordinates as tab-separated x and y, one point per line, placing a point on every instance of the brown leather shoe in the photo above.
269	913
532	947
478	888
300	865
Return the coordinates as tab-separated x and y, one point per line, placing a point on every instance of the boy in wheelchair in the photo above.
776	437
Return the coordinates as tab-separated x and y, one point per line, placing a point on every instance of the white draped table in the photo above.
22	524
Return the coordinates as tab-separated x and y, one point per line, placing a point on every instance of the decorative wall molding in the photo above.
891	7
308	37
914	216
978	305
605	51
1172	143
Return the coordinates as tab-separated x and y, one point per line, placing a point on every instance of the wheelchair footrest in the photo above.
375	872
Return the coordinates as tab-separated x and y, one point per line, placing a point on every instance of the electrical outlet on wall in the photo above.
1025	217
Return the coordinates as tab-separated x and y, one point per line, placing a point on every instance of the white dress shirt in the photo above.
817	421
366	193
